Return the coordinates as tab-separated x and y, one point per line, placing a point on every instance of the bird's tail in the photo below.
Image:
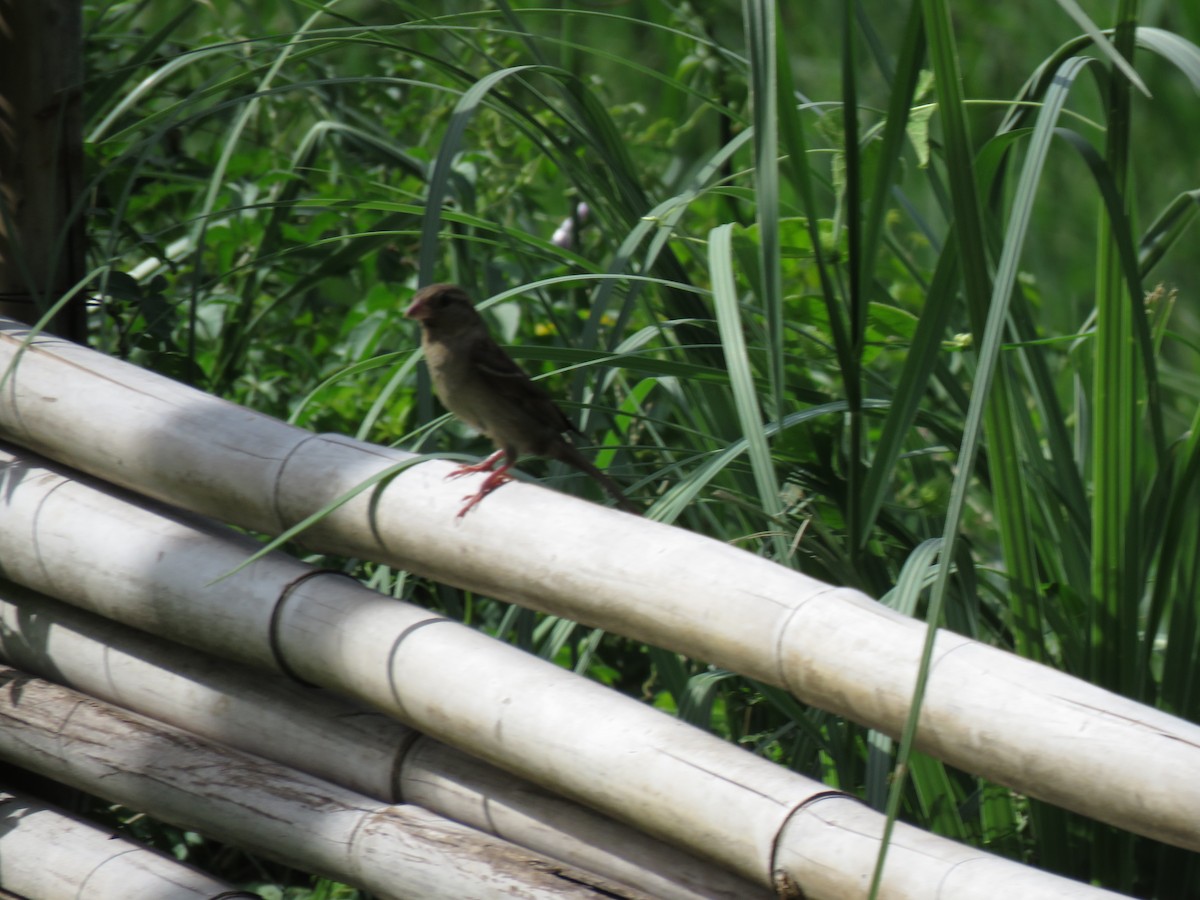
572	456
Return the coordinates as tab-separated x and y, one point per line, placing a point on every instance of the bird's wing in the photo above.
513	384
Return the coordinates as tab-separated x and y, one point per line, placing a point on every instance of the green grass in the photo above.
838	299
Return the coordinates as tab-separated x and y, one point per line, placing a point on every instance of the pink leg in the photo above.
485	466
493	481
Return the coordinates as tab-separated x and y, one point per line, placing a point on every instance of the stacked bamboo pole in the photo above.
986	711
394	851
162	572
51	855
311	731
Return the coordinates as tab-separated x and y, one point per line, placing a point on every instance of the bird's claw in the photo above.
484	465
469	470
472	500
493	481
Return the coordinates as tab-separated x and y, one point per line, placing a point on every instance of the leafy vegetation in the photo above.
848	289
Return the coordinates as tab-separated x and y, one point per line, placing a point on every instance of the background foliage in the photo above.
839	295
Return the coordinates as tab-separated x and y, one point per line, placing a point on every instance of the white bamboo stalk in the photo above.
268	715
522	713
314	732
392	851
51	855
986	711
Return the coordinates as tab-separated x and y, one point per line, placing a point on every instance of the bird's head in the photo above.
442	307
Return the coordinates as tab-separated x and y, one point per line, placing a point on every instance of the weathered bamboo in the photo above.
316	733
986	711
518	711
392	851
48	854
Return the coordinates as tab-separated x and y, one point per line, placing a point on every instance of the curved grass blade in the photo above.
741	376
1166	230
1107	50
449	148
760	40
989	350
308	521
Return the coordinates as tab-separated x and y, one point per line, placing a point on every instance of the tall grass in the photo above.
825	302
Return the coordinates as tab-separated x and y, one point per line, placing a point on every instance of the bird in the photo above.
481	384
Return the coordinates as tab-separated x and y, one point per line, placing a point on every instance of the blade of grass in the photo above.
741	376
1166	230
799	174
759	18
449	148
867	498
1107	50
946	68
1116	541
856	299
310	520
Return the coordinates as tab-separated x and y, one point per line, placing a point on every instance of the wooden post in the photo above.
41	160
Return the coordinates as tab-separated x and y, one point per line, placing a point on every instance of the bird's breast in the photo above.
458	386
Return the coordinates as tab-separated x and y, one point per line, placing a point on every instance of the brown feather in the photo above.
482	385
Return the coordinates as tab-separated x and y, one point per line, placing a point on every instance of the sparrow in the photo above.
481	384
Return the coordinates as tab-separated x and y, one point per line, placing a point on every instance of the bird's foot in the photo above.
485	465
493	481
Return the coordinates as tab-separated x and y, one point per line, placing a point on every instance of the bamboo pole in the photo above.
515	710
340	742
392	851
986	711
48	854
